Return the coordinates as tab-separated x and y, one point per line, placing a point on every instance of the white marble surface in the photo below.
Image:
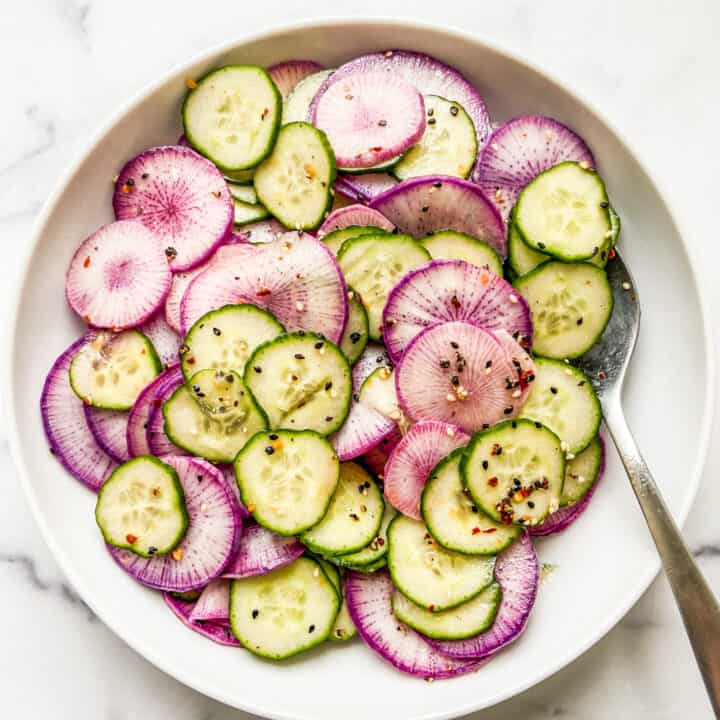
66	64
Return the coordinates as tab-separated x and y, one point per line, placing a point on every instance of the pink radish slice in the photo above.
459	373
376	459
219	633
158	441
369	601
564	517
181	197
164	339
261	551
109	427
141	411
118	277
286	75
354	215
211	539
180	283
213	605
228	474
424	205
364	187
518	572
295	277
263	231
369	117
522	362
447	290
410	463
520	150
66	428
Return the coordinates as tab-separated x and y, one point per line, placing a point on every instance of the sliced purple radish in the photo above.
364	187
261	551
228	473
164	339
141	411
459	373
295	277
180	283
181	197
157	439
211	539
518	572
109	427
118	277
376	459
423	205
411	461
369	601
354	215
286	75
213	605
66	428
219	633
369	117
263	231
448	290
520	150
522	362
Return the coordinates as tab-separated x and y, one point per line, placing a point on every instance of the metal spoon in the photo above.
605	366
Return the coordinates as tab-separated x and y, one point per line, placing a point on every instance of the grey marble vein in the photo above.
76	15
45	125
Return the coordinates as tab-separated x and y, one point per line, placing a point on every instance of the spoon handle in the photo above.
698	606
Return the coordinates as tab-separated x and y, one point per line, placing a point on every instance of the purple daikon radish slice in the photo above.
369	601
181	198
376	459
364	187
180	283
412	459
217	632
520	150
118	277
213	605
164	339
109	428
518	572
66	428
261	551
157	439
354	215
263	231
448	290
228	473
211	539
369	117
424	205
286	75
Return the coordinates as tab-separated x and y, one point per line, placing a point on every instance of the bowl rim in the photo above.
62	557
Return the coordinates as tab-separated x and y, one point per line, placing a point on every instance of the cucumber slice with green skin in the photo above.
335	239
245	213
295	182
522	258
213	416
581	473
430	576
563	212
373	265
344	628
466	620
563	400
111	370
448	145
189	596
378	168
285	612
378	392
570	304
451	245
232	116
243	193
302	381
453	518
240	177
515	471
224	339
297	104
369	568
353	517
615	224
141	508
287	479
355	335
373	554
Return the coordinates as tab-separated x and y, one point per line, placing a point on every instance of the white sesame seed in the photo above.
488	370
563	446
584	164
300	306
513	298
203	507
450	397
333	393
494	146
450	431
517	393
394	415
568	371
322	350
626	286
569	456
316	572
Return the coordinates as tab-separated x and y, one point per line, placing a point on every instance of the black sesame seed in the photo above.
301	333
354	337
541	245
318	345
531	504
356	397
152	550
581	383
257	369
508	409
273	436
579	321
454	345
485	464
130	182
513	424
170	252
217	332
311	629
516	482
328	418
431	112
425	208
444	364
196	388
488	364
595	250
553	390
431	121
455	380
538	425
453	110
299	356
328	384
604	204
437	184
255	613
269	449
382	123
485	426
145	176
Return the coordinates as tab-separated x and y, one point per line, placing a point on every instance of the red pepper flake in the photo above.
86	318
127	188
525	492
492	482
132	539
496	450
476	531
431	608
601	375
611	253
264	113
525	378
489	530
86	264
262	292
217	193
454	301
376	149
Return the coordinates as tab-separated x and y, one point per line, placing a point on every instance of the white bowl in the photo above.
603	563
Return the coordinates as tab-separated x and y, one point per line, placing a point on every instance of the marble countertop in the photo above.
650	65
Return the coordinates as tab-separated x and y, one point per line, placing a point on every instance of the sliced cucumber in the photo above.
112	369
522	258
374	552
295	182
373	265
298	101
240	177
429	575
302	382
213	416
570	305
378	392
615	224
245	213
515	471
581	473
141	507
344	628
464	621
243	193
287	479
451	245
353	518
377	168
224	339
355	335
563	400
335	239
286	611
232	116
563	212
453	518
